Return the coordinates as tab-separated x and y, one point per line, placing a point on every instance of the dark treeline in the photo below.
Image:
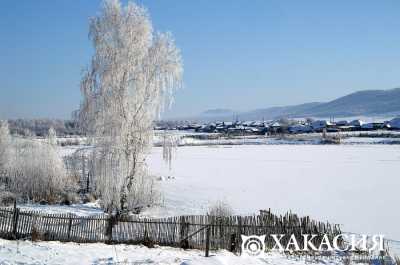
40	127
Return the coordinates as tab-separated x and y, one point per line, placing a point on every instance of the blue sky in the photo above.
237	54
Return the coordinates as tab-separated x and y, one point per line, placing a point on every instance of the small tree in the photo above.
28	133
132	76
5	144
170	143
52	137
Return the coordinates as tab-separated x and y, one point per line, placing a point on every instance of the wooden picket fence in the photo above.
180	231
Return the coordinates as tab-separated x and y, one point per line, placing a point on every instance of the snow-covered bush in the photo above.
75	164
36	172
70	197
220	208
6	198
88	198
132	76
141	193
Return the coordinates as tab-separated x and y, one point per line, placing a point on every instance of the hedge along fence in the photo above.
181	231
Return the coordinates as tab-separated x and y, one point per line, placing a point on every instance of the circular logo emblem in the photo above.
253	245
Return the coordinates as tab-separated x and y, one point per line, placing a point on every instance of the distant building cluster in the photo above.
283	126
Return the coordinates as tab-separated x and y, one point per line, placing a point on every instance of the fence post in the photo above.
15	220
110	225
239	235
184	232
88	183
208	241
69	227
221	235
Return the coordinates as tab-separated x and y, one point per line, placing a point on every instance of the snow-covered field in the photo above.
26	252
354	185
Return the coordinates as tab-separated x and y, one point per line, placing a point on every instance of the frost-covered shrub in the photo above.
220	208
37	172
78	167
7	198
107	171
144	193
88	198
70	198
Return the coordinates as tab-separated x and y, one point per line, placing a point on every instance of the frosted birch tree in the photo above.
52	137
132	77
5	145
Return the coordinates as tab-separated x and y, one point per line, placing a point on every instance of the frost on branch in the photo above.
132	77
170	143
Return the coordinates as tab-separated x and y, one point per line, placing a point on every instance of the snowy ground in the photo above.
353	185
26	252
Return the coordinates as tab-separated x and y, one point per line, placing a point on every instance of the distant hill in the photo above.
366	102
361	103
278	112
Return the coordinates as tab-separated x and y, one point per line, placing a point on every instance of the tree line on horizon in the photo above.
40	127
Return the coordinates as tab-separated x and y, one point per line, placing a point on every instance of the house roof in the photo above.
395	123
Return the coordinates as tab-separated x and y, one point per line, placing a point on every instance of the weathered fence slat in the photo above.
201	232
